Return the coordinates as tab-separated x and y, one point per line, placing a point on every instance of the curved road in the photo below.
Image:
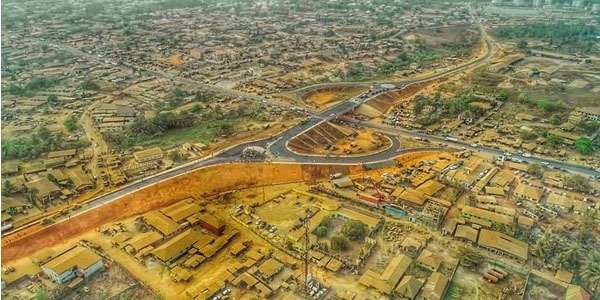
278	143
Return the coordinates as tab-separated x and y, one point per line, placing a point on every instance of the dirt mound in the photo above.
323	97
379	105
318	137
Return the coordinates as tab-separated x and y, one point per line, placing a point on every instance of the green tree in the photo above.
70	123
177	156
555	120
321	231
590	127
548	105
524	98
547	246
586	228
571	257
502	96
197	108
201	96
355	70
339	243
584	146
536	170
41	293
471	258
354	229
51	177
554	140
89	85
590	272
577	182
52	100
8	188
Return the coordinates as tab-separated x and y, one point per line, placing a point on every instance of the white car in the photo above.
474	145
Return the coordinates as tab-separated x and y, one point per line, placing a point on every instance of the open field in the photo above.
324	97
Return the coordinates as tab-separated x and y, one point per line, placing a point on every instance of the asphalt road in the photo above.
277	144
456	143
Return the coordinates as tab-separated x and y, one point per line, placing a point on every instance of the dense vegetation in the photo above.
458	105
572	37
33	86
32	146
213	122
576	251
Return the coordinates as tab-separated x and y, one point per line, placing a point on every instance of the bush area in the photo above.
445	108
198	123
33	86
32	146
571	37
575	251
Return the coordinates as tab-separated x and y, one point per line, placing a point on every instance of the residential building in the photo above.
46	190
208	222
485	217
527	192
270	268
588	113
77	261
503	244
147	155
409	287
389	278
160	222
177	246
435	287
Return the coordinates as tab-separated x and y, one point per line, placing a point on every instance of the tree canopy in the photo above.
575	37
585	146
339	243
354	230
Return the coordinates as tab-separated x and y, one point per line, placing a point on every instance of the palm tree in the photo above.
585	229
590	273
547	246
8	187
572	256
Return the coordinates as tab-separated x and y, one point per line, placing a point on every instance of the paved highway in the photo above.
277	145
552	163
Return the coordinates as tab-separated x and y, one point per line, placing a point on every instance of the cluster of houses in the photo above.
257	55
497	201
394	280
59	178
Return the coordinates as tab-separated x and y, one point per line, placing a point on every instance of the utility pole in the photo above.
306	250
